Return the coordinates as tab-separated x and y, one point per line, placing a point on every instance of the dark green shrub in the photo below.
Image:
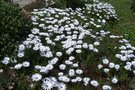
35	5
75	3
8	0
70	3
59	4
133	5
13	27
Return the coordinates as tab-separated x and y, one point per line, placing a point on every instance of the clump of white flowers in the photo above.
6	60
86	81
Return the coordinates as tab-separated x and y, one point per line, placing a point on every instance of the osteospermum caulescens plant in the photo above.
62	39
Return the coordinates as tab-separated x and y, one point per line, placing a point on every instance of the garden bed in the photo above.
72	49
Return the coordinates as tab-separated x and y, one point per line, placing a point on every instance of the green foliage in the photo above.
8	0
70	3
133	5
60	4
35	5
126	24
75	3
13	27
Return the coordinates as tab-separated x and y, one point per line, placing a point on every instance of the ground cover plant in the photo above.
13	27
126	24
73	47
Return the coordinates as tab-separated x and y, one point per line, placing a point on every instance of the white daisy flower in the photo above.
21	47
100	66
106	87
86	81
62	86
114	80
62	67
94	83
36	77
20	55
105	61
106	70
71	72
117	66
49	66
59	54
18	66
79	71
111	65
26	64
5	60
